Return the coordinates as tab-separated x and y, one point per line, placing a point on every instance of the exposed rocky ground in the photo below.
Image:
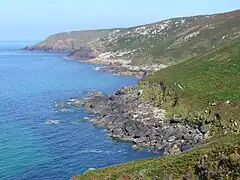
118	67
127	117
128	69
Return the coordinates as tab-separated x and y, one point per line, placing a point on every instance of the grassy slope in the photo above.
176	42
211	77
219	155
165	42
74	38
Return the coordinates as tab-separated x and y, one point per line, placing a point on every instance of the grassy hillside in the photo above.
213	76
166	42
217	159
209	82
174	40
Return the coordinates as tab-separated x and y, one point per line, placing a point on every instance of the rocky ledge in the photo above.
127	117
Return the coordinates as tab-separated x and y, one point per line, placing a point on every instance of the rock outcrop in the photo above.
127	117
83	53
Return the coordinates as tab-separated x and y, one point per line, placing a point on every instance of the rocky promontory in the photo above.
127	117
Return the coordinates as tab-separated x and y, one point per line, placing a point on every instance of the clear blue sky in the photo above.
36	19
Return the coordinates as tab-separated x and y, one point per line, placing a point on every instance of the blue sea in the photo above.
30	85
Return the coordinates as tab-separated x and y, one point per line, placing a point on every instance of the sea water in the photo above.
30	148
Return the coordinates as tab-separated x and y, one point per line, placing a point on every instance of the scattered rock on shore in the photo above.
127	117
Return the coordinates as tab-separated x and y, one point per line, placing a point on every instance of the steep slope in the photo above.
174	40
204	90
207	82
217	159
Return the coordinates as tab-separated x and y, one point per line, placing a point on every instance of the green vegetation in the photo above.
74	39
208	82
166	42
175	40
201	87
212	76
217	159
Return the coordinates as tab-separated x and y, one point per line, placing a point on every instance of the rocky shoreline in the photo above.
127	117
119	66
123	70
116	66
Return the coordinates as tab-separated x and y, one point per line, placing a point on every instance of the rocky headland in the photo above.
126	116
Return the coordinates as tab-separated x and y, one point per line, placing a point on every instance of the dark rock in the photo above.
217	116
126	117
119	92
137	133
185	147
175	120
203	129
92	106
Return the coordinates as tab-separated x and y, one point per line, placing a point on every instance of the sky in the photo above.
34	20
